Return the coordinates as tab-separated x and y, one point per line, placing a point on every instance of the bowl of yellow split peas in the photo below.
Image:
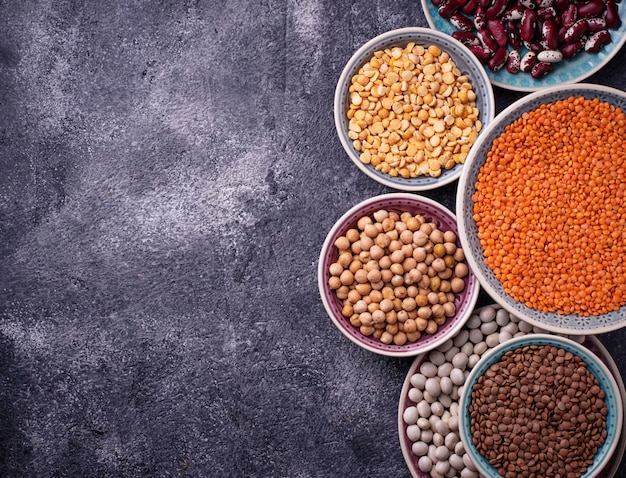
409	105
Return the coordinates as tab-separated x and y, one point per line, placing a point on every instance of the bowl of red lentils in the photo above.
409	105
540	405
393	277
541	207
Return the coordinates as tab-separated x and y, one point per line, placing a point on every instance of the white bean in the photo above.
460	360
446	400
473	360
480	348
419	448
524	326
446	385
427	436
413	432
444	370
423	423
475	336
436	357
423	408
468	348
459	449
467	473
428	397
442	453
468	462
504	336
415	395
457	376
489	327
424	464
451	353
502	317
418	380
451	440
461	338
492	340
428	369
442	467
444	347
487	314
437	408
511	328
438	439
473	322
432	386
453	423
410	415
456	462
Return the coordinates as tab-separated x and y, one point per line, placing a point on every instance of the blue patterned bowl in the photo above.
465	61
468	230
593	363
573	70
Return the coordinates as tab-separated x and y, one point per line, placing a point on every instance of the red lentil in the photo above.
550	207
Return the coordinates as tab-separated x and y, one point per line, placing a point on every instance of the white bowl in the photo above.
551	321
465	61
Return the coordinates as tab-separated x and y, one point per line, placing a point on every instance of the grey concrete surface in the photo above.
168	172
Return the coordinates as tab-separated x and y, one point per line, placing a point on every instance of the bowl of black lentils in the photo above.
540	405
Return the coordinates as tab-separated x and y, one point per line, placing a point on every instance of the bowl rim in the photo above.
474	262
343	83
583	352
473	288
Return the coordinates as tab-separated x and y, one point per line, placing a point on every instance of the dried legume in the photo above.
412	112
538	411
386	278
456	352
550	207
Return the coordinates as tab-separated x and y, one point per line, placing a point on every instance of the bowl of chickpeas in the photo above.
393	277
409	105
541	207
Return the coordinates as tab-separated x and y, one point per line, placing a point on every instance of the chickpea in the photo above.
342	243
457	284
400	338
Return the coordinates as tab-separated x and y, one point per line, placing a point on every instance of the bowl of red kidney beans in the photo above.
527	45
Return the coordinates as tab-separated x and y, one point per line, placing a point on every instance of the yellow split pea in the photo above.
412	112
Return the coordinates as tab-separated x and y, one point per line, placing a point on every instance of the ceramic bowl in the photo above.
613	400
398	202
571	324
465	61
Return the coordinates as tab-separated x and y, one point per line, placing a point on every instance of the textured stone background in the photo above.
169	170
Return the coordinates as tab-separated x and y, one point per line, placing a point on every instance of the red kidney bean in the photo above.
470	7
561	5
498	32
548	13
592	8
540	69
513	13
497	8
466	38
596	24
569	15
484	4
550	34
513	33
461	22
528	4
576	31
448	8
597	40
498	59
528	26
480	19
513	62
481	52
569	50
534	46
611	16
545	3
528	61
437	3
550	56
487	40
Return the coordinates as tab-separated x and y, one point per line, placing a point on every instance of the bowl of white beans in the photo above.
429	406
392	277
409	105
